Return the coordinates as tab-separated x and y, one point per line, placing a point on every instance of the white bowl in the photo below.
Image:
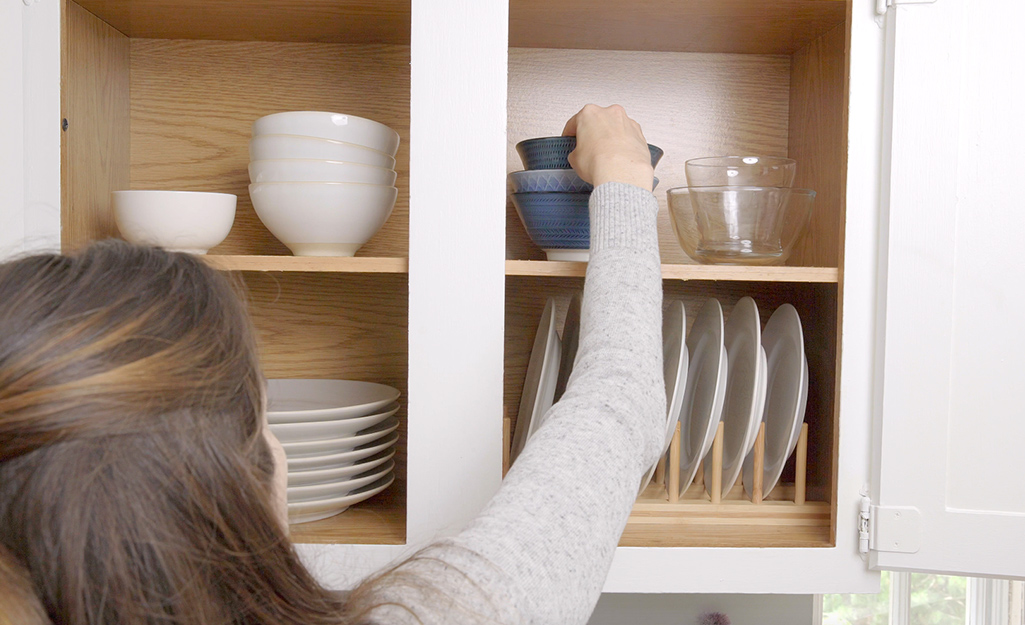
339	488
337	126
322	218
311	170
180	221
321	430
269	147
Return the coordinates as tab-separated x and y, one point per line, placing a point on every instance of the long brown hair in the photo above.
134	478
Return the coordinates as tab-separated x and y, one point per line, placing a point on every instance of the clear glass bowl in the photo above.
758	171
739	225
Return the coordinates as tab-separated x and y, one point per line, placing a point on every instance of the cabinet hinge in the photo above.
882	5
896	529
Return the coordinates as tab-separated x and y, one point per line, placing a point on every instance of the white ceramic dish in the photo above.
322	218
320	476
745	391
302	401
786	395
570	342
180	221
343	443
311	170
338	488
276	147
538	394
575	256
706	390
308	511
303	464
336	126
323	430
675	362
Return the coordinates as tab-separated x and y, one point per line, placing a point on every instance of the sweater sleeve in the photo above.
540	550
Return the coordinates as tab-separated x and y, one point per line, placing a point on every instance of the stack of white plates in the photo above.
339	437
322	183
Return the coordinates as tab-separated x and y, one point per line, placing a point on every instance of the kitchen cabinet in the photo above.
443	302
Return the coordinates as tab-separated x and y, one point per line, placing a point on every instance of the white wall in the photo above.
625	609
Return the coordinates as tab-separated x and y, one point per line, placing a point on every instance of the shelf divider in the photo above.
334	264
565	269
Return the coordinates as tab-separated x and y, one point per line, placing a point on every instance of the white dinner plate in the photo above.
297	464
674	372
786	395
706	389
319	476
539	385
321	430
307	511
570	341
338	488
336	445
294	401
745	391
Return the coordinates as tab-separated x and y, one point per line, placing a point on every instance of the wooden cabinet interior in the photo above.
703	78
149	113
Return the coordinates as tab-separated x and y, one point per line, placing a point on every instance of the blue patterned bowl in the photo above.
550	180
555	220
553	152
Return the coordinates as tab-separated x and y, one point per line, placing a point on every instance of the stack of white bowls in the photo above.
322	183
339	438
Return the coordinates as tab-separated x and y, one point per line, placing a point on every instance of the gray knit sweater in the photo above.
540	550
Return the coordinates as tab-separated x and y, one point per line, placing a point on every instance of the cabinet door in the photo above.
953	350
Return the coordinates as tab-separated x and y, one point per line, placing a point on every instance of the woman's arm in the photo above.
541	549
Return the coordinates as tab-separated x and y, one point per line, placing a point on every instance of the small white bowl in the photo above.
322	218
311	170
268	147
337	126
180	221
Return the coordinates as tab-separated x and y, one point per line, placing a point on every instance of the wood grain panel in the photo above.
690	105
329	264
543	268
327	21
95	146
818	142
339	326
194	102
746	26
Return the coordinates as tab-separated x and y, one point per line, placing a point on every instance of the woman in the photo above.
139	483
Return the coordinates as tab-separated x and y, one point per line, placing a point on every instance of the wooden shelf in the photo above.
744	26
377	521
323	21
684	272
324	264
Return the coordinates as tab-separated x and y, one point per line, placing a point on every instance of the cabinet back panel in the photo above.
690	105
336	326
194	102
95	145
818	142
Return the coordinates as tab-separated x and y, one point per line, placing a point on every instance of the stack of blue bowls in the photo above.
551	199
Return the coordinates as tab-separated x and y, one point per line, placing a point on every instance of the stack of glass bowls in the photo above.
740	210
552	200
322	183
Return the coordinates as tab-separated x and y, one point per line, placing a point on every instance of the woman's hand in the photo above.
610	147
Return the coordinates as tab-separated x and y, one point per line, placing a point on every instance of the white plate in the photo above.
570	341
307	511
336	445
320	430
674	371
338	488
319	476
786	395
539	385
706	390
745	391
297	464
294	401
